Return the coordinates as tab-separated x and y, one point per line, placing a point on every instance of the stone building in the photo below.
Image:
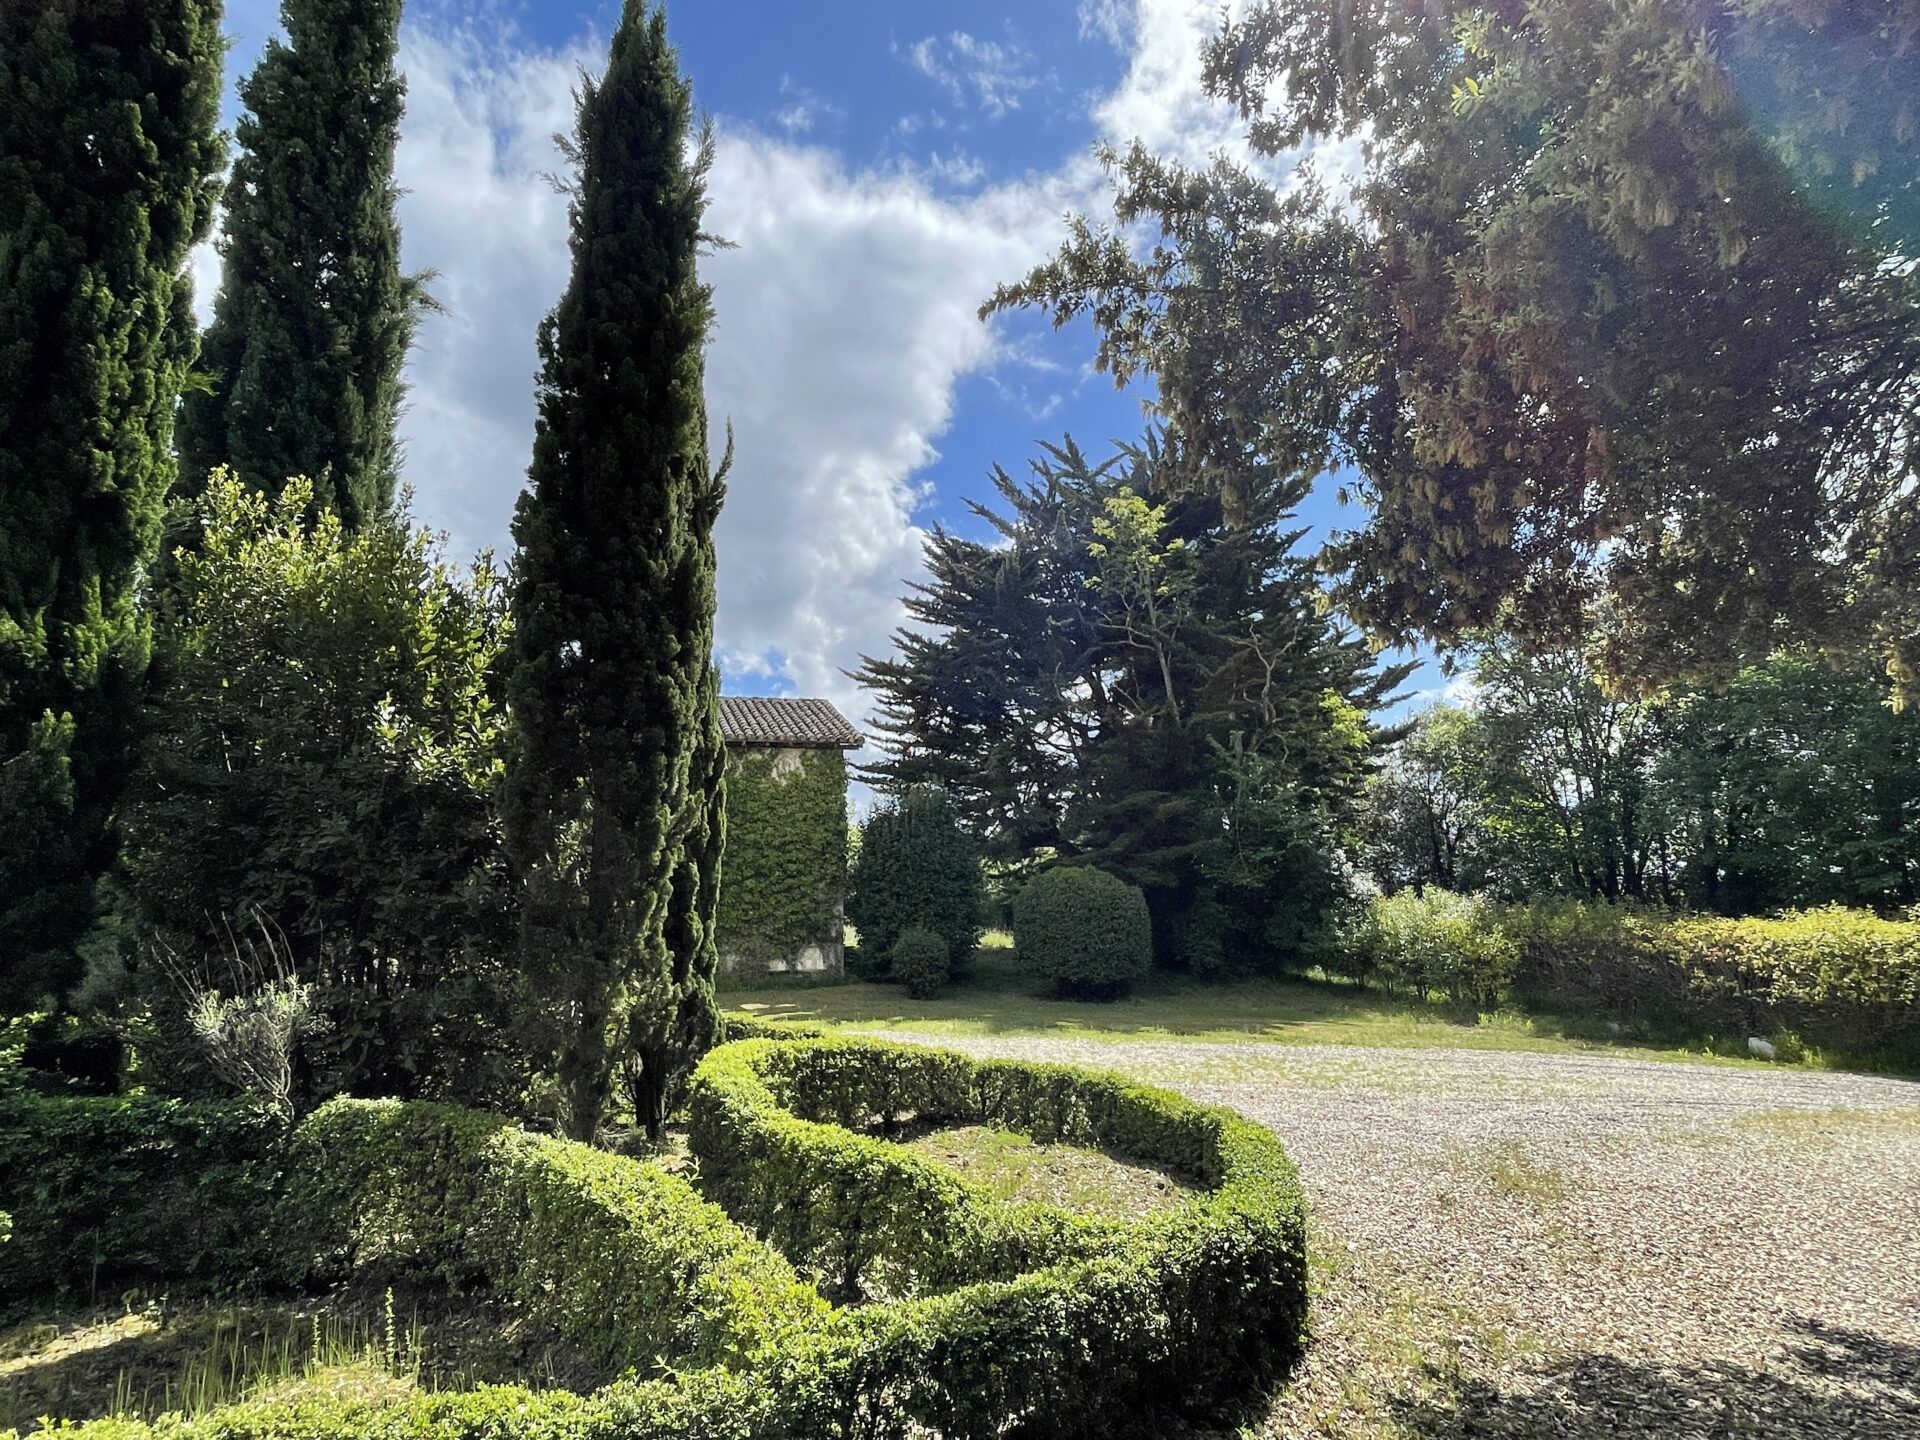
783	881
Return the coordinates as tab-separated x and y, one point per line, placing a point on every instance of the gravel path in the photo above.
1519	1244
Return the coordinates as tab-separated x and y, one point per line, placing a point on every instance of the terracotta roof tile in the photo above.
757	720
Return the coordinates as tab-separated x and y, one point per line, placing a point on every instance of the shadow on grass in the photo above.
1837	1383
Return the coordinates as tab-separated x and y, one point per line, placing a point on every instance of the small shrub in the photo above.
1084	931
916	867
1432	944
921	962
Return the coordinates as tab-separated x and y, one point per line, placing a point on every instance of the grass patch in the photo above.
1509	1170
996	997
1014	1167
148	1357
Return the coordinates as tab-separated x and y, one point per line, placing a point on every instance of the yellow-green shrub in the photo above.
1847	979
1431	943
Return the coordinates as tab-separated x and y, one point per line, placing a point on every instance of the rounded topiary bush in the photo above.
921	962
1084	931
916	867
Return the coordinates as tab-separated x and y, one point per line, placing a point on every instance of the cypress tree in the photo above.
311	326
109	165
613	788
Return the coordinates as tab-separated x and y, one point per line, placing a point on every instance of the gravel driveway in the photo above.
1515	1244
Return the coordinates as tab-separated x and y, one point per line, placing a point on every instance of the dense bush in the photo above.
112	1192
916	867
622	1258
1844	979
921	962
325	750
1431	945
1083	930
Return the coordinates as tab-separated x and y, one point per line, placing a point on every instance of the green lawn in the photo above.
997	999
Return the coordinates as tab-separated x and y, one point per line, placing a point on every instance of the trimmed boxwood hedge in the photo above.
109	1193
1115	1325
1116	1329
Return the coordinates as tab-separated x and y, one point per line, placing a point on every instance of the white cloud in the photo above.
993	75
804	109
846	314
846	318
1108	20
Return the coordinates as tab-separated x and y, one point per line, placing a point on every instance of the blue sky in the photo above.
880	168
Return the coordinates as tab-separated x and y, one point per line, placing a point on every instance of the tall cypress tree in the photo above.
109	164
314	316
613	789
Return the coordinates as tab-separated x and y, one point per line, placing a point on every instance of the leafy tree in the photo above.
1625	304
916	868
1566	775
1422	823
314	316
1796	786
323	769
1107	681
109	159
614	784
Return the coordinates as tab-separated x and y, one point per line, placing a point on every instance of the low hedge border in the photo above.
1188	1314
621	1258
111	1193
1100	1326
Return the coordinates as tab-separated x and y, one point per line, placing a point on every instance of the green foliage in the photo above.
615	783
1796	785
1121	1328
1433	944
916	868
1844	979
921	962
620	1257
324	759
1624	303
786	859
1145	679
109	165
311	326
1083	930
1423	821
112	1192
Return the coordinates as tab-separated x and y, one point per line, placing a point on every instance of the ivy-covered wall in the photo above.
785	872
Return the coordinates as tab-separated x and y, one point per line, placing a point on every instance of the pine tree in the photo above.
109	164
314	316
613	789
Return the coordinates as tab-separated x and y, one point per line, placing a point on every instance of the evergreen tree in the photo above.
314	316
109	164
1136	679
613	790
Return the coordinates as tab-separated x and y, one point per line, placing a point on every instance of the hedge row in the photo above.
1081	1326
1844	979
107	1193
1184	1314
622	1258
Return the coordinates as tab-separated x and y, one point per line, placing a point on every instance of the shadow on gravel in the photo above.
1836	1383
